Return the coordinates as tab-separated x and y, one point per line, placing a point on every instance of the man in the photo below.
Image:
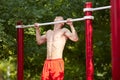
53	68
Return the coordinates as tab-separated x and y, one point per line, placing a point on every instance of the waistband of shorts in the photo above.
54	59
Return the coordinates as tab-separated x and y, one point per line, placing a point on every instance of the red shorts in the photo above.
53	69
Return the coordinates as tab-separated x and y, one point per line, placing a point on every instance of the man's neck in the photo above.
56	27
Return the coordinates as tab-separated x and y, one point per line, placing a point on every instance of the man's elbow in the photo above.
76	39
39	43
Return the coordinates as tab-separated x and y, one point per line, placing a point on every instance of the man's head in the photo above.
59	18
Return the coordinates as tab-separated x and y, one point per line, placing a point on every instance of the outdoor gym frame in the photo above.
115	41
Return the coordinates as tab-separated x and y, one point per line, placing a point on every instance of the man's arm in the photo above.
73	34
40	39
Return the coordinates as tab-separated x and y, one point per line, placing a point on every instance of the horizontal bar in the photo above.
95	9
50	23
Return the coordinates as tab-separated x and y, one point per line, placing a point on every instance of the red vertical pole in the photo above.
89	44
20	51
115	37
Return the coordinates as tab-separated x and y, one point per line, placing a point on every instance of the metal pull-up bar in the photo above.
96	9
89	46
51	23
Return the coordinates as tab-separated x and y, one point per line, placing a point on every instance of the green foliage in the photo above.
30	12
8	68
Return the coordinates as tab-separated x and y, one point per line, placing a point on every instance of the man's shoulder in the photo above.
49	30
65	29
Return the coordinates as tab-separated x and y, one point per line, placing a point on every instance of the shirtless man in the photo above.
53	68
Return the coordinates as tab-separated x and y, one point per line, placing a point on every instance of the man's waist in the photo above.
49	59
54	56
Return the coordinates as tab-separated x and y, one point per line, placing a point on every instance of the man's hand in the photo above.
69	22
36	25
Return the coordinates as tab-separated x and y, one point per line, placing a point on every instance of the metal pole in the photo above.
89	44
20	52
51	23
115	37
101	8
96	9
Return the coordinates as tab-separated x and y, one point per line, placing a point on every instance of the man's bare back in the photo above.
56	38
55	43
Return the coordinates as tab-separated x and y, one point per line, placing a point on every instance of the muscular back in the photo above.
55	43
